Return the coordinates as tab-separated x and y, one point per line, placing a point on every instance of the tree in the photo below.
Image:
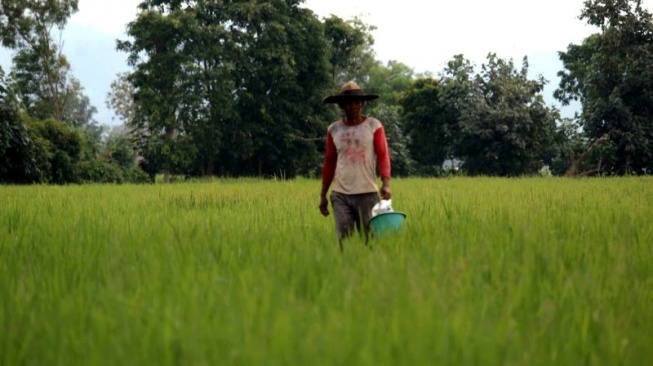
495	121
390	81
120	99
159	34
40	72
350	46
280	87
425	125
611	74
242	87
78	110
13	139
505	127
431	109
61	150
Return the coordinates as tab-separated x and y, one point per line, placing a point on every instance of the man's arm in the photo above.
383	161
328	172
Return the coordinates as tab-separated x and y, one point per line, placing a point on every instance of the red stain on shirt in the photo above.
354	152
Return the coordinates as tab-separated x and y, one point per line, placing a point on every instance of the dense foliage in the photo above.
611	74
47	130
234	88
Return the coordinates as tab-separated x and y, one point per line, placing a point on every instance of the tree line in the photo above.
234	88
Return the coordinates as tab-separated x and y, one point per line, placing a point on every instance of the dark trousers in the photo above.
353	211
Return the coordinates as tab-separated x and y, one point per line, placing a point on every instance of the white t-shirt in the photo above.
356	165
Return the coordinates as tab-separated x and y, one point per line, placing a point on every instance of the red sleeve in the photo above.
330	160
382	155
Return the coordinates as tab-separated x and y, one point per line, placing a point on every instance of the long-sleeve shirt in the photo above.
352	155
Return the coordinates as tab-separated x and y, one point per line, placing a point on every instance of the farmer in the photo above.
355	146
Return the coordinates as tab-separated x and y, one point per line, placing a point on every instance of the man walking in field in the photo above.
356	145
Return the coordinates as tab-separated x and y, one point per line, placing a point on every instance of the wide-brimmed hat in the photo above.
349	92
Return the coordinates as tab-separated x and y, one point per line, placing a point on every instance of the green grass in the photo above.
247	272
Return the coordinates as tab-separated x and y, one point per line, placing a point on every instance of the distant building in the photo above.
452	164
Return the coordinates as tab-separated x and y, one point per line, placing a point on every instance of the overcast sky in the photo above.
421	34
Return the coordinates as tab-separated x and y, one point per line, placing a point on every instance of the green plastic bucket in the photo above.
387	222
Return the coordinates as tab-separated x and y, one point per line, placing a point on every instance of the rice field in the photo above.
533	271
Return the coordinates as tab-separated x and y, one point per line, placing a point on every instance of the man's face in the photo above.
352	108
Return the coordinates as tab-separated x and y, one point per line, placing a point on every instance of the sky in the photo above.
422	34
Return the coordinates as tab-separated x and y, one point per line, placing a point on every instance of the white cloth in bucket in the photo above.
382	206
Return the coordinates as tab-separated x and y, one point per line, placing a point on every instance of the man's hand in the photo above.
324	206
386	194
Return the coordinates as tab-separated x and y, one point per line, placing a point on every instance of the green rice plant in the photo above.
485	271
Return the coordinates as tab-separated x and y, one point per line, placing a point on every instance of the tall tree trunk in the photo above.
575	165
171	134
210	169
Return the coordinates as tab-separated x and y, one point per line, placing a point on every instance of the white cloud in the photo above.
422	34
426	34
105	16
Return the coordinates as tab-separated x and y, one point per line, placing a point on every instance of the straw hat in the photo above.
349	92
